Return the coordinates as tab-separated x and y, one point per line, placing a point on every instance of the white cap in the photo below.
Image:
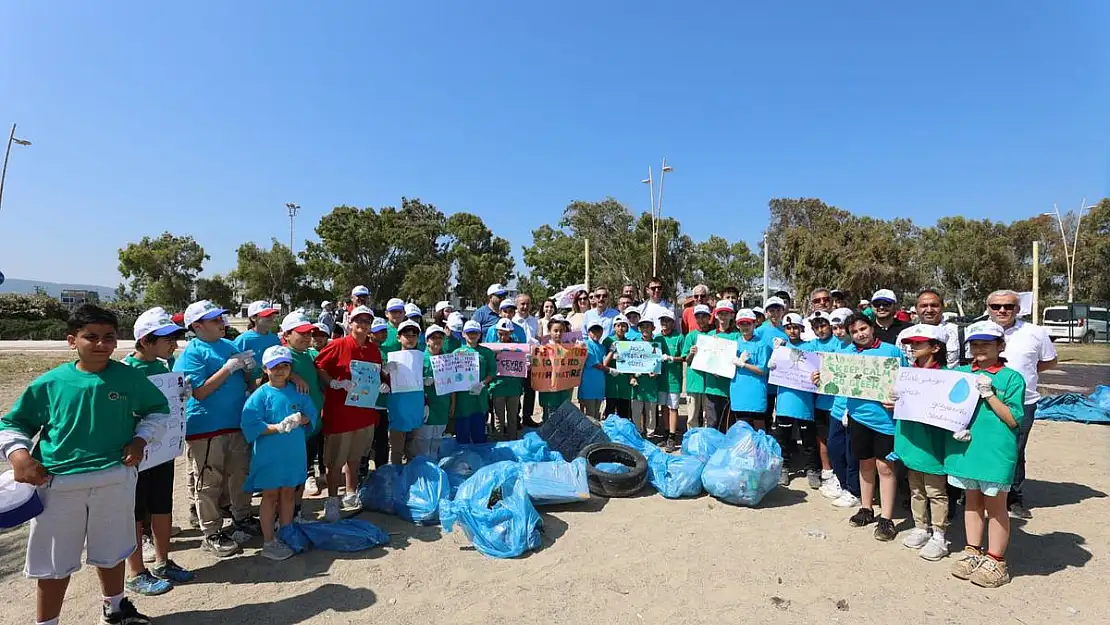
471	326
504	324
924	332
665	314
865	302
275	355
596	323
155	321
432	329
325	304
840	315
442	305
793	319
394	303
360	291
759	310
412	310
508	302
819	314
702	309
885	295
319	327
408	323
362	310
496	289
632	310
774	301
745	314
298	322
724	305
646	321
983	331
621	319
379	325
455	321
202	311
559	317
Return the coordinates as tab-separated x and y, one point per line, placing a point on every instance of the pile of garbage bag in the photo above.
673	476
344	535
744	468
494	511
413	491
558	482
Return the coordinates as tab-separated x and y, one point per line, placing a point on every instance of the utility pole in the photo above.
766	269
587	252
1036	282
293	210
7	152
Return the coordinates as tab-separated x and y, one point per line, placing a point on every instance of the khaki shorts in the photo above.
348	447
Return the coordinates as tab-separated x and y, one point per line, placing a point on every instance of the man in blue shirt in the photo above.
601	313
488	314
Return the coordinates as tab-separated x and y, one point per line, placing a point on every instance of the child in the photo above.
695	380
557	327
406	416
508	311
505	391
320	336
669	342
415	315
794	407
592	389
258	336
824	342
843	490
984	465
772	333
645	391
93	419
425	441
454	340
921	448
219	375
384	336
272	422
155	341
471	407
618	394
748	390
633	315
297	330
717	387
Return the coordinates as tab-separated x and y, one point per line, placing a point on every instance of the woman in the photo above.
547	313
578	307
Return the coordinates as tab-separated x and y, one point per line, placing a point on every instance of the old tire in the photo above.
604	484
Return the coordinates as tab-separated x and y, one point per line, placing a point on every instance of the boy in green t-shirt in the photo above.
695	380
93	419
618	393
549	401
505	391
472	407
669	342
426	439
645	390
298	331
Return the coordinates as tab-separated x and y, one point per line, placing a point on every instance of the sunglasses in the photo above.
820	300
655	288
1003	306
583	297
883	304
602	296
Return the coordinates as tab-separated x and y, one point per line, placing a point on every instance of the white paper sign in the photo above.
715	355
408	374
455	372
172	442
794	368
939	397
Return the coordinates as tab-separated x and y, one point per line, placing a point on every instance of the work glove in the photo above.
985	386
613	372
429	381
963	436
771	364
778	341
633	382
342	385
477	388
384	388
236	362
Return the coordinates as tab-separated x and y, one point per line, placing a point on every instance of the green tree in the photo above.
164	269
480	258
717	263
426	284
219	290
272	274
535	287
1092	259
971	258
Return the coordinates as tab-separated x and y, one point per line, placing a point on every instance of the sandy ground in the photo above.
794	559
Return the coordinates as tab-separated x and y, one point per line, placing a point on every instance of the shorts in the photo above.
821	419
990	489
749	417
348	447
668	400
154	491
867	443
96	509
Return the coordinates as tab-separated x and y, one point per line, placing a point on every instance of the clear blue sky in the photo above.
206	117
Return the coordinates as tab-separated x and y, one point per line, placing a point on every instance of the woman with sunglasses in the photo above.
578	307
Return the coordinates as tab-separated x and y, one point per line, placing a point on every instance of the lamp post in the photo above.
293	210
1069	255
7	152
656	212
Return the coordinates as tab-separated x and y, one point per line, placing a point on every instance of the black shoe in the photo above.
865	516
250	525
885	531
226	512
127	615
1018	511
670	445
220	545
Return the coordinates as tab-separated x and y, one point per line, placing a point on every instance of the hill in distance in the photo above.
54	289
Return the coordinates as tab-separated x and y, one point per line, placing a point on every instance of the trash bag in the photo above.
745	469
623	431
376	491
549	483
1072	407
675	476
612	467
739	431
459	466
494	512
531	448
292	536
344	535
1101	397
702	442
419	491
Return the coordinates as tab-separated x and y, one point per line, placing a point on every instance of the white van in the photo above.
1086	324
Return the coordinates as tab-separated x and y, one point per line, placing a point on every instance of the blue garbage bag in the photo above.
376	491
612	467
745	470
549	483
739	431
293	536
419	490
494	512
531	448
1072	407
702	442
1101	397
343	535
459	466
622	431
675	476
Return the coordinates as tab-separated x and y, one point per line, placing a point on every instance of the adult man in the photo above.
1028	351
930	312
360	296
508	311
601	313
820	300
887	326
327	315
526	320
700	296
629	291
625	302
655	304
488	314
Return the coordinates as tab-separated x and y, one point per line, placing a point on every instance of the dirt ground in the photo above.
794	559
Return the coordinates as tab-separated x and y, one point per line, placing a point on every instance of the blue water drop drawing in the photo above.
960	391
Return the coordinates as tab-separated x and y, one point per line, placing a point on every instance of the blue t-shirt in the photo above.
633	335
605	319
748	392
223	409
593	380
486	316
830	345
792	402
865	411
258	343
768	332
277	460
518	335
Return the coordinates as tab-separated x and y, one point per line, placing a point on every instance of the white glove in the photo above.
633	382
744	357
963	436
739	362
771	364
429	381
778	341
984	385
287	424
250	363
426	412
342	385
613	372
235	363
844	420
384	388
477	388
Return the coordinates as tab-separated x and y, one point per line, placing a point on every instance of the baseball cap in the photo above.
496	289
412	310
984	331
508	302
632	310
442	305
360	291
559	317
793	319
702	309
837	293
665	314
432	329
297	322
596	323
360	311
621	319
840	315
394	303
324	304
504	324
745	314
276	355
471	326
202	311
759	310
724	305
379	325
774	301
320	328
782	294
646	321
455	321
155	321
884	295
819	314
408	323
925	332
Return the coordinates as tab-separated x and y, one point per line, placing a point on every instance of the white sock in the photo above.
53	621
113	603
938	534
826	474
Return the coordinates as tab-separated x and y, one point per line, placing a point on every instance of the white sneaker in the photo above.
351	501
831	489
276	550
149	555
935	549
331	510
311	487
916	538
847	500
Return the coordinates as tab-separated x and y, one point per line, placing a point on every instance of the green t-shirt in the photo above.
671	345
467	405
553	400
148	367
616	386
439	406
920	446
991	454
695	380
452	343
647	386
83	420
715	384
391	343
304	365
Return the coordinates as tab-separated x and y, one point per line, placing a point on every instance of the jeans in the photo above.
840	456
471	428
1016	496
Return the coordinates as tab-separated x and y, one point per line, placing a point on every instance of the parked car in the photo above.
1077	322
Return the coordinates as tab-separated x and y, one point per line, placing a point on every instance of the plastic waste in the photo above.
494	511
745	469
675	476
531	448
419	491
376	491
702	442
549	483
623	431
292	536
613	467
345	535
1101	397
459	466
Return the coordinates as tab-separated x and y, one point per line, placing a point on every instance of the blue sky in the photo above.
206	117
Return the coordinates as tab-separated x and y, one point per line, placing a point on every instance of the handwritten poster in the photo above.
557	367
715	355
172	442
638	357
794	368
367	377
862	377
568	337
938	397
407	375
455	372
512	358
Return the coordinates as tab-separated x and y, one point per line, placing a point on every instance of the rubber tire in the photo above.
605	484
1089	337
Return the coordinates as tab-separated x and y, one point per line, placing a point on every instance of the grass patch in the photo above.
1079	352
17	371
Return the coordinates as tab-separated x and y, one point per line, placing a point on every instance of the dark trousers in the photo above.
1026	425
840	457
471	429
807	431
314	448
528	404
619	407
716	411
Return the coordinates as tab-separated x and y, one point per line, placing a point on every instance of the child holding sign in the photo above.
645	390
984	465
592	389
425	441
843	488
618	394
748	389
669	342
824	341
794	407
717	388
695	380
505	391
556	328
471	407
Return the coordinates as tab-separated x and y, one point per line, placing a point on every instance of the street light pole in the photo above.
7	152
1069	255
293	210
664	168
651	197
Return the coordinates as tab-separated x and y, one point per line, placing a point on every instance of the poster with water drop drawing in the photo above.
938	397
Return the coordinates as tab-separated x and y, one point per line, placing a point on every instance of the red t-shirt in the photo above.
335	360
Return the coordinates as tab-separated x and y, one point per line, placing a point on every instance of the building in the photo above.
76	297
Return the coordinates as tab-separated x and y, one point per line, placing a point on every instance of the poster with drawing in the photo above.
172	442
455	372
938	397
794	368
861	377
367	377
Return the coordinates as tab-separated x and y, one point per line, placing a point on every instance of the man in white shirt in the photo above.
819	301
601	313
930	312
1029	352
525	319
655	303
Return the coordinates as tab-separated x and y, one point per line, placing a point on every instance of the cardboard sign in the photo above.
407	375
557	367
512	358
938	397
172	442
455	372
367	377
861	377
638	357
794	368
715	355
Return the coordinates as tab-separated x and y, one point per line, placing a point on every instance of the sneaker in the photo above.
251	525
127	615
149	554
172	572
831	489
990	573
784	477
814	479
148	585
916	538
967	563
884	530
276	550
670	447
239	536
174	531
1018	511
220	545
311	487
331	510
225	512
351	501
865	516
846	500
935	549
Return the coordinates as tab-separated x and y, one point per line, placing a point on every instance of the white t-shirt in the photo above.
952	344
531	327
1027	345
651	310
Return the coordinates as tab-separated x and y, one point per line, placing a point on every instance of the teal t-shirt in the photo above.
258	343
223	408
868	412
747	391
792	402
991	454
695	380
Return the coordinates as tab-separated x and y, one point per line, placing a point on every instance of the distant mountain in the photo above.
54	289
